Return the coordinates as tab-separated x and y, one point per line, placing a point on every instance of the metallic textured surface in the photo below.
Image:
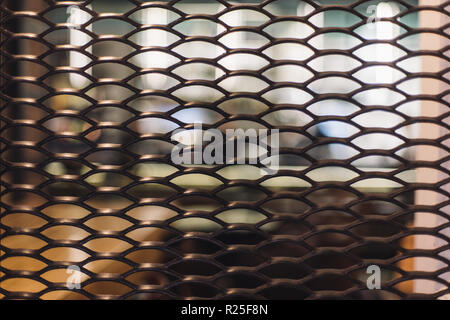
87	178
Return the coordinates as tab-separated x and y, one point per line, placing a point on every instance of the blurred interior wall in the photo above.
429	131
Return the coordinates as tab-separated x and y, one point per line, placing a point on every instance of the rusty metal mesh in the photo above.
87	179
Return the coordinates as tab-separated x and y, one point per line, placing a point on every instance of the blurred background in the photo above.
94	89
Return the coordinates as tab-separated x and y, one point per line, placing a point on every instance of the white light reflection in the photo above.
79	38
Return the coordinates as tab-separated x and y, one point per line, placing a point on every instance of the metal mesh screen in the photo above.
92	92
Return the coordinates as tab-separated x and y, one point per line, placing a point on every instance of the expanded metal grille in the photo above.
92	92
